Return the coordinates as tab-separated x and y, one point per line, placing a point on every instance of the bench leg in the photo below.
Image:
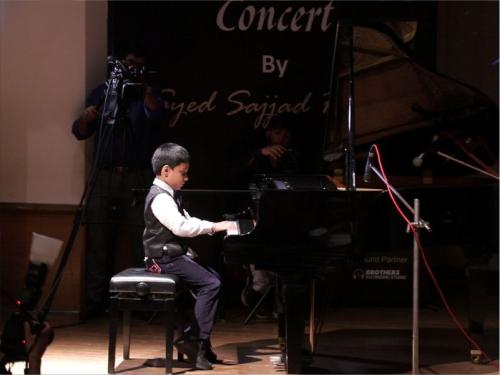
112	338
126	334
169	342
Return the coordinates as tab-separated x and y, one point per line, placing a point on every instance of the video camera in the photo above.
119	69
127	81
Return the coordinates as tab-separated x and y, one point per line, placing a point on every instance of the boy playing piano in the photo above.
165	252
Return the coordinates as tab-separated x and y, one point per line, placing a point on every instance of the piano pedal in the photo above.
277	360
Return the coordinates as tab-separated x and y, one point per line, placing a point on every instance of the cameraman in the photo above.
122	152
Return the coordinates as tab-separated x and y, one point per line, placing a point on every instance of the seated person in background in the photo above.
165	251
257	283
275	157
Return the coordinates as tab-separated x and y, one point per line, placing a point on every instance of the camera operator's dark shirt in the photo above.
134	136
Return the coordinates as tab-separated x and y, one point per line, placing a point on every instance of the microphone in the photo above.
366	175
419	159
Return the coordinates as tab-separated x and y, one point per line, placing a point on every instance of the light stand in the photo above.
417	224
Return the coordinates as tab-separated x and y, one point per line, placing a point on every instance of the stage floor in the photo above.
353	340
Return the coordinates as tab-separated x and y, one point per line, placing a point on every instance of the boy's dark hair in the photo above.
170	154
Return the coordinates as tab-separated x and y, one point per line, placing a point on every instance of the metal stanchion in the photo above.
418	223
415	325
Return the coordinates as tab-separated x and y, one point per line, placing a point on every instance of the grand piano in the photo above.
298	230
305	225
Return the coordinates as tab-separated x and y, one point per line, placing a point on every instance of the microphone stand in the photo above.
458	161
417	223
351	128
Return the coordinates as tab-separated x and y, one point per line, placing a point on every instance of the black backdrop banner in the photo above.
229	69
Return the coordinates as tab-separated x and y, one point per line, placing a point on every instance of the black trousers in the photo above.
205	283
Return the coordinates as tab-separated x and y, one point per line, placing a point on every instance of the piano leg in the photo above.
295	312
280	309
312	317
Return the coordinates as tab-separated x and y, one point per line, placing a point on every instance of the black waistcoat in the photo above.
156	236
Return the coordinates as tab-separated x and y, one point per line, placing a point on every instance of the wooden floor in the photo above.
361	340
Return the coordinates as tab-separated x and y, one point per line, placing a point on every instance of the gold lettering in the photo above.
265	110
264	17
182	108
240	104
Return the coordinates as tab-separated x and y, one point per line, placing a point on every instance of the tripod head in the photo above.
125	82
123	71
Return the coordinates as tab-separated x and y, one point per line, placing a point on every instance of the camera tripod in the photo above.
14	340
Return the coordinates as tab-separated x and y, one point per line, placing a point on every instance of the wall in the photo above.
51	54
17	223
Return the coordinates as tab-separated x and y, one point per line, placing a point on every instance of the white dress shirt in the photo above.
166	211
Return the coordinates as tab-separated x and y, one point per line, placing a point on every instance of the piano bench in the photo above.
136	289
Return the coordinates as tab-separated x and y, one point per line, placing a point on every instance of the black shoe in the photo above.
209	353
196	352
264	314
187	347
202	363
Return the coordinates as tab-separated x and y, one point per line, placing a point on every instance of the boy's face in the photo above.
175	177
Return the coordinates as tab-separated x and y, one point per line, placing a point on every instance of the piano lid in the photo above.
393	93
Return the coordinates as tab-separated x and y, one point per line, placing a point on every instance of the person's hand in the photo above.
149	99
273	152
90	114
148	90
225	226
336	180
